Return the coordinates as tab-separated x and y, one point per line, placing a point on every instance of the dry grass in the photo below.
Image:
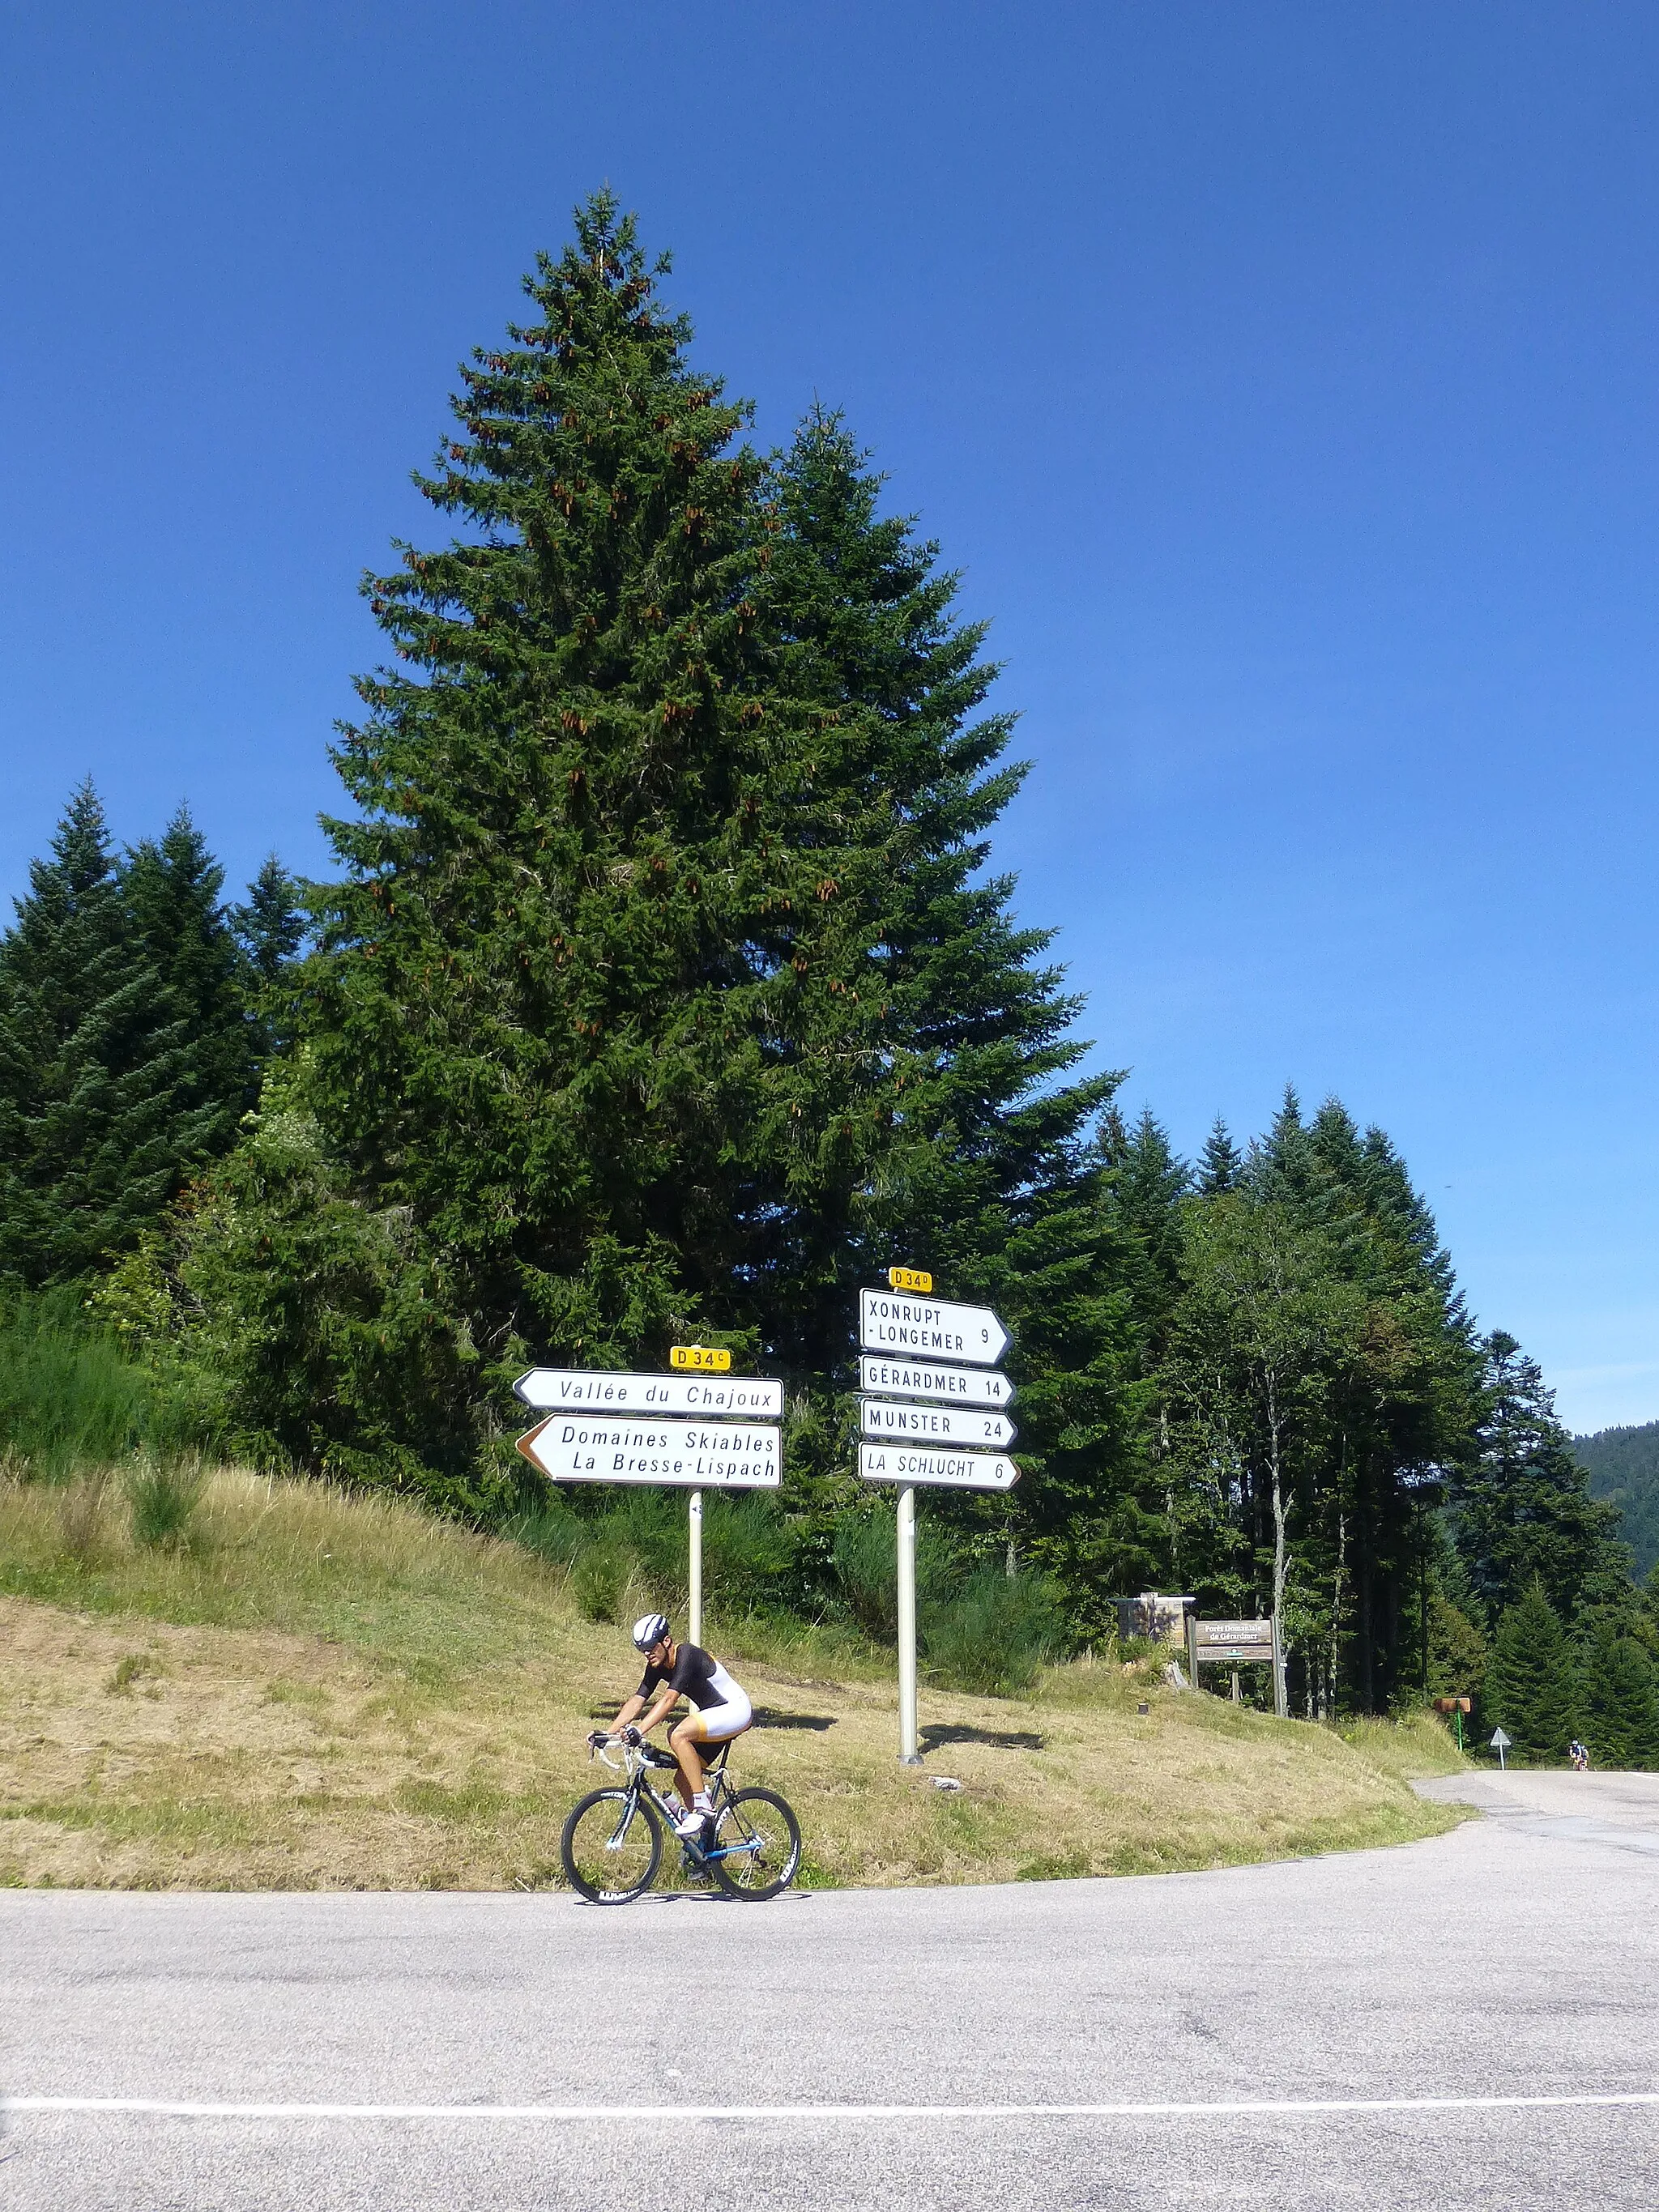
322	1692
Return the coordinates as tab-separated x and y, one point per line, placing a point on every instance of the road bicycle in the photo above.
611	1847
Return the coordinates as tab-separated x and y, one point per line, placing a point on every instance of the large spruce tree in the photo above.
1533	1690
177	921
102	1111
587	890
1620	1711
664	987
1520	1505
952	1063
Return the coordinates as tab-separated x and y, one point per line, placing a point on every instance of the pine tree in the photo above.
972	1155
1520	1506
1148	1184
1221	1165
599	1003
1532	1690
1145	1184
269	927
100	1118
170	888
1620	1699
664	985
579	906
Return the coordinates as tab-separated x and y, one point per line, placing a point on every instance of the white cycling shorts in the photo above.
721	1723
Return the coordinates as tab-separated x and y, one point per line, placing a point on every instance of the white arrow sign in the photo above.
935	1425
575	1390
888	1323
922	1378
697	1454
1500	1744
954	1470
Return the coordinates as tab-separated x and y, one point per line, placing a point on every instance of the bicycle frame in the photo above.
637	1762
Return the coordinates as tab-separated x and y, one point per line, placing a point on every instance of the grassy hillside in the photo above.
1623	1466
323	1692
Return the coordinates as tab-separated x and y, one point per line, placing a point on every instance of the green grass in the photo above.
1418	1744
333	1690
70	1400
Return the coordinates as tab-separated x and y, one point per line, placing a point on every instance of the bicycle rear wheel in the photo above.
611	1847
759	1839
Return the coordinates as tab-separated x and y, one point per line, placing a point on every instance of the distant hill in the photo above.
1623	1466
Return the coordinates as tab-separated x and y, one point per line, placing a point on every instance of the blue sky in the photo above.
1281	378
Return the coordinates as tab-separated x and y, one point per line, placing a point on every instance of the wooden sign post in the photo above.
1238	1643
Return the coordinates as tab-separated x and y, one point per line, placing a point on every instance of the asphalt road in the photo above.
1514	1960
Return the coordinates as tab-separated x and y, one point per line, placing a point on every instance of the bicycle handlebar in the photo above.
634	1756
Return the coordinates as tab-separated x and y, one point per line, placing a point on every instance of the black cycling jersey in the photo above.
695	1676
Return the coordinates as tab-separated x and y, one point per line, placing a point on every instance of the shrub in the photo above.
599	1578
549	1529
68	1397
71	1397
81	1515
163	1495
866	1570
746	1552
996	1634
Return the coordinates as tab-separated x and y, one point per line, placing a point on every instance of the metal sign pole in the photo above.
906	1549
694	1603
1281	1703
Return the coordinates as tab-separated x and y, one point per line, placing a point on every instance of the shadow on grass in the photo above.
935	1737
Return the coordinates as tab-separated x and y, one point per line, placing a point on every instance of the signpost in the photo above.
935	1425
948	1386
931	1326
689	1454
1238	1643
701	1428
924	1419
946	1470
1500	1744
576	1389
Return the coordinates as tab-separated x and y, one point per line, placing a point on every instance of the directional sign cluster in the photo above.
695	1432
931	1410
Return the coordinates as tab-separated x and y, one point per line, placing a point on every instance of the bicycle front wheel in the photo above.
611	1847
756	1845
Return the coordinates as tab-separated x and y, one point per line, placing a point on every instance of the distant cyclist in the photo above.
1579	1756
720	1710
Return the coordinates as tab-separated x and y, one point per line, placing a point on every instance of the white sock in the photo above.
700	1803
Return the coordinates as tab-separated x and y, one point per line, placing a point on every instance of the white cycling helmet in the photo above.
650	1632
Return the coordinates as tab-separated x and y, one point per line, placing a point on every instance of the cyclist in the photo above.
1579	1755
720	1710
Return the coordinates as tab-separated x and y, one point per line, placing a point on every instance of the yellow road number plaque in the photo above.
909	1279
702	1357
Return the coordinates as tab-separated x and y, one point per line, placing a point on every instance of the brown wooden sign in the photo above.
1244	1642
1238	1643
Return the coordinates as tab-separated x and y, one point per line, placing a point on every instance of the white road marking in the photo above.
1236	2108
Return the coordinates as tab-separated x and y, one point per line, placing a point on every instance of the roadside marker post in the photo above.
922	1420
699	1357
1456	1707
905	1559
682	1431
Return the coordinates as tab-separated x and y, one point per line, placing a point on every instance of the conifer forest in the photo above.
663	988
